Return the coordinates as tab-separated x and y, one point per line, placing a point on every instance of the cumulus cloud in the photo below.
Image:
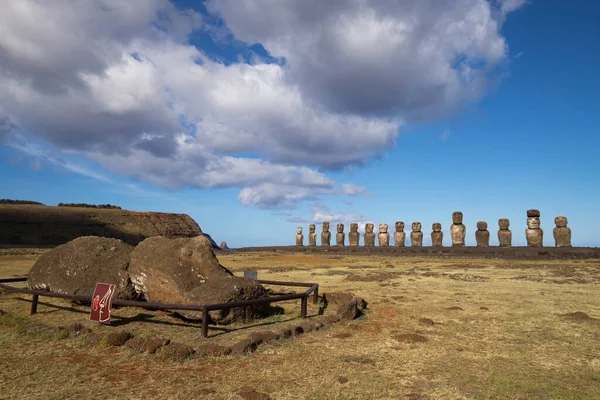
119	83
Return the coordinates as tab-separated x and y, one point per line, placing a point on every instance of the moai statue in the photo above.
457	230
369	235
339	236
353	235
299	237
416	236
533	233
325	235
504	234
437	236
312	235
562	233
399	235
482	235
384	236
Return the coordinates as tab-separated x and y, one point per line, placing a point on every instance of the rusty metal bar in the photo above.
303	311
316	295
34	304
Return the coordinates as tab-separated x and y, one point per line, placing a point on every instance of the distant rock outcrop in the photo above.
77	266
224	246
35	225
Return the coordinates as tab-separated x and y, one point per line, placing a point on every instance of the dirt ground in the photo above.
459	325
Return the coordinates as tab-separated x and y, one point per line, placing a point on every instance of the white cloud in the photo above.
119	83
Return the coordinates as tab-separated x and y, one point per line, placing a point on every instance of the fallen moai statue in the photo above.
159	269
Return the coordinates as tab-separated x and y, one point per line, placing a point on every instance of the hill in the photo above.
38	225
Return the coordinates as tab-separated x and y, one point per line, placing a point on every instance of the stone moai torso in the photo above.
384	236
369	235
504	234
437	236
533	233
399	235
416	236
339	236
326	235
457	230
562	233
312	235
482	235
299	237
353	235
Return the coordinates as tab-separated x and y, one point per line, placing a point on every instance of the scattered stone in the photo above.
341	335
369	235
383	237
318	325
354	235
426	321
454	308
408	337
299	237
577	315
285	333
137	344
312	235
76	329
562	233
482	235
458	230
504	234
325	235
399	235
483	308
342	379
243	346
262	337
339	298
297	330
252	395
339	236
437	236
175	351
307	326
349	310
213	350
152	345
118	338
416	236
75	267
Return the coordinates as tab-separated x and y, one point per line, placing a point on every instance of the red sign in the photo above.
102	302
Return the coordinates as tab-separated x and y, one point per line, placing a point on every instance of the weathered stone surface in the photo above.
399	235
437	236
504	234
325	235
75	267
369	235
349	311
118	338
152	345
76	329
339	236
533	213
175	351
339	298
383	236
187	271
307	325
562	233
416	236
223	246
299	237
533	233
213	350
284	333
312	235
354	235
262	337
482	235
457	230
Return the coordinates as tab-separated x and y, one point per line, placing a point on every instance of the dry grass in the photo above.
496	335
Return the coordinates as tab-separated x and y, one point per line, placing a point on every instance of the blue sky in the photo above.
255	122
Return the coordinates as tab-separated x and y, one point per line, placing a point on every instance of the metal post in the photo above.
316	296
245	314
303	307
34	303
205	322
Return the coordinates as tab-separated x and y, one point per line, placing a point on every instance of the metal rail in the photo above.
205	308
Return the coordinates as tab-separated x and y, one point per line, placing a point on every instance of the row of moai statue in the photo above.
534	234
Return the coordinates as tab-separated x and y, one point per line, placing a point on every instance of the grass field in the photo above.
502	329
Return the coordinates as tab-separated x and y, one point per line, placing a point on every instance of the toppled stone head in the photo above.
457	217
436	227
399	226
